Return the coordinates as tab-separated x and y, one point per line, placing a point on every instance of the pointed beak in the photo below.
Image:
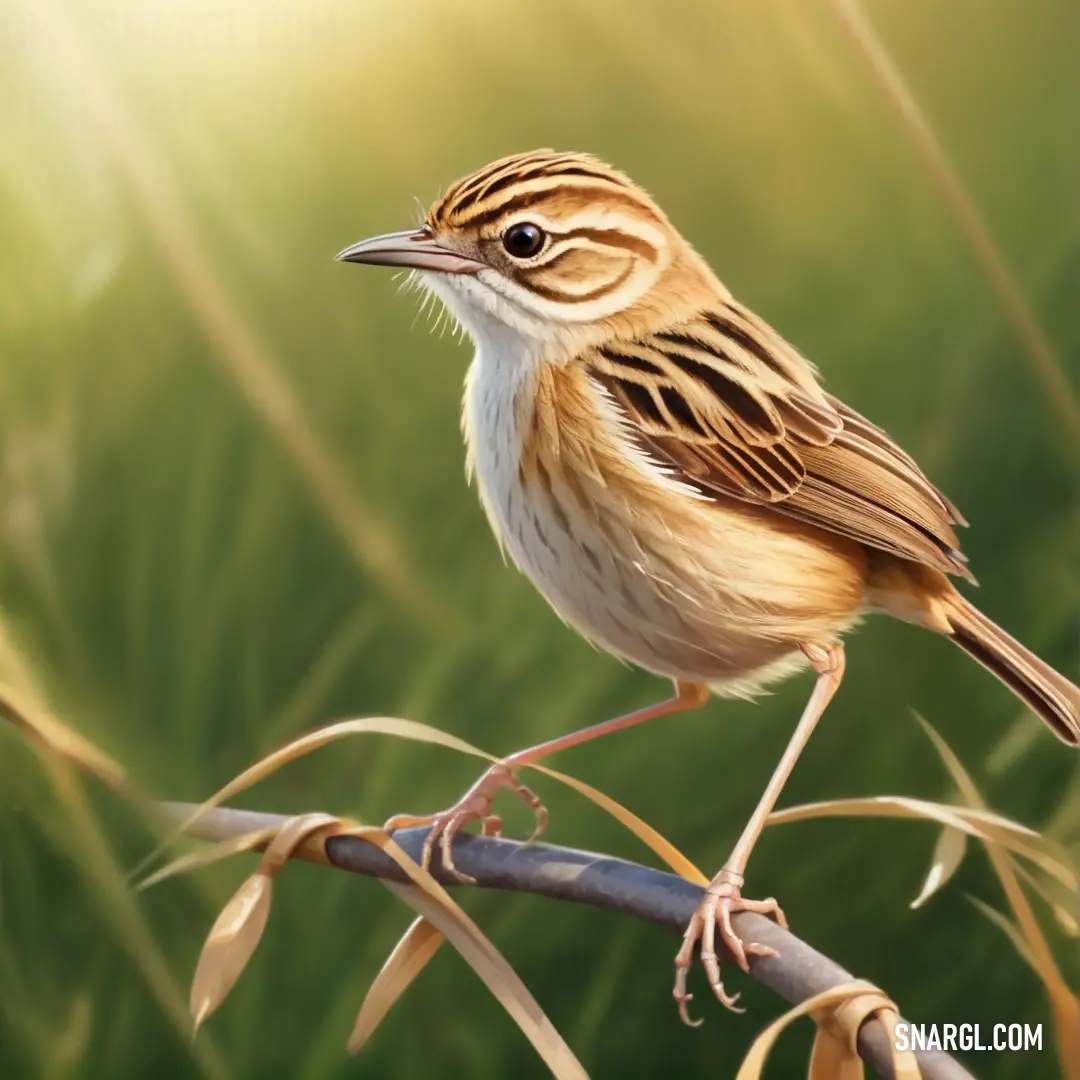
416	248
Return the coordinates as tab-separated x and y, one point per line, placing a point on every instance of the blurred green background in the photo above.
232	504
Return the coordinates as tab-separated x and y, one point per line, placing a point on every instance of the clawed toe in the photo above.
530	799
766	907
443	832
722	900
474	805
753	948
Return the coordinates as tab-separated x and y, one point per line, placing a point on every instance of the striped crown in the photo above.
603	242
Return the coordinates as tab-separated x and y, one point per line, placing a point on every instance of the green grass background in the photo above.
172	175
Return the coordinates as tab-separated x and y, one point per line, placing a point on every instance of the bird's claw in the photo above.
723	898
474	805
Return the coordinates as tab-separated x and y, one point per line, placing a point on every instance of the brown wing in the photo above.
735	410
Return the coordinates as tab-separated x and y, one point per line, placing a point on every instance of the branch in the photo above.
797	973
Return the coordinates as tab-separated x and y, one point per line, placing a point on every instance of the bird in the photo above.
671	475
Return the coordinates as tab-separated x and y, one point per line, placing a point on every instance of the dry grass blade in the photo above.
948	855
1067	1023
431	901
642	830
1010	930
1061	900
1044	359
830	1060
43	729
229	946
410	956
315	740
1036	950
105	886
207	856
1064	823
981	824
418	732
238	930
22	703
500	979
960	776
1060	891
293	833
64	754
839	1012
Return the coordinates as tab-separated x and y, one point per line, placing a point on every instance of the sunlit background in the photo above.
232	503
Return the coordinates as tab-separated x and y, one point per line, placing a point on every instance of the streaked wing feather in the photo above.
736	411
877	443
830	506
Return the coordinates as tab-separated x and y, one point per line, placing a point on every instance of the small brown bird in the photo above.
667	470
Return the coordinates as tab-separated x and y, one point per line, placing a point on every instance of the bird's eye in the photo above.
523	240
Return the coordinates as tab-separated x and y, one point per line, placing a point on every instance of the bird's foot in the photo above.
475	805
722	899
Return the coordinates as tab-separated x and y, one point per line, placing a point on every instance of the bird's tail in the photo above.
1049	694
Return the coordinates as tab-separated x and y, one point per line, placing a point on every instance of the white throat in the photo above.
498	397
512	346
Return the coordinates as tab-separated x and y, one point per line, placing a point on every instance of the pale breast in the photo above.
695	589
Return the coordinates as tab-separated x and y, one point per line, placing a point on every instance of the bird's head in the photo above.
559	248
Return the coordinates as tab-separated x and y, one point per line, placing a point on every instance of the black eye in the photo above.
523	240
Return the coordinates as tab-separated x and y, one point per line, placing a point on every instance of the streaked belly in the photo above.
699	592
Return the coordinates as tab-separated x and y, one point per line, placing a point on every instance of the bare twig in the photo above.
796	974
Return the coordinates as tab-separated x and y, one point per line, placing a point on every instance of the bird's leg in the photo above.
476	803
724	896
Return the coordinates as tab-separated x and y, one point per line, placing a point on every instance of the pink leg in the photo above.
476	803
724	897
